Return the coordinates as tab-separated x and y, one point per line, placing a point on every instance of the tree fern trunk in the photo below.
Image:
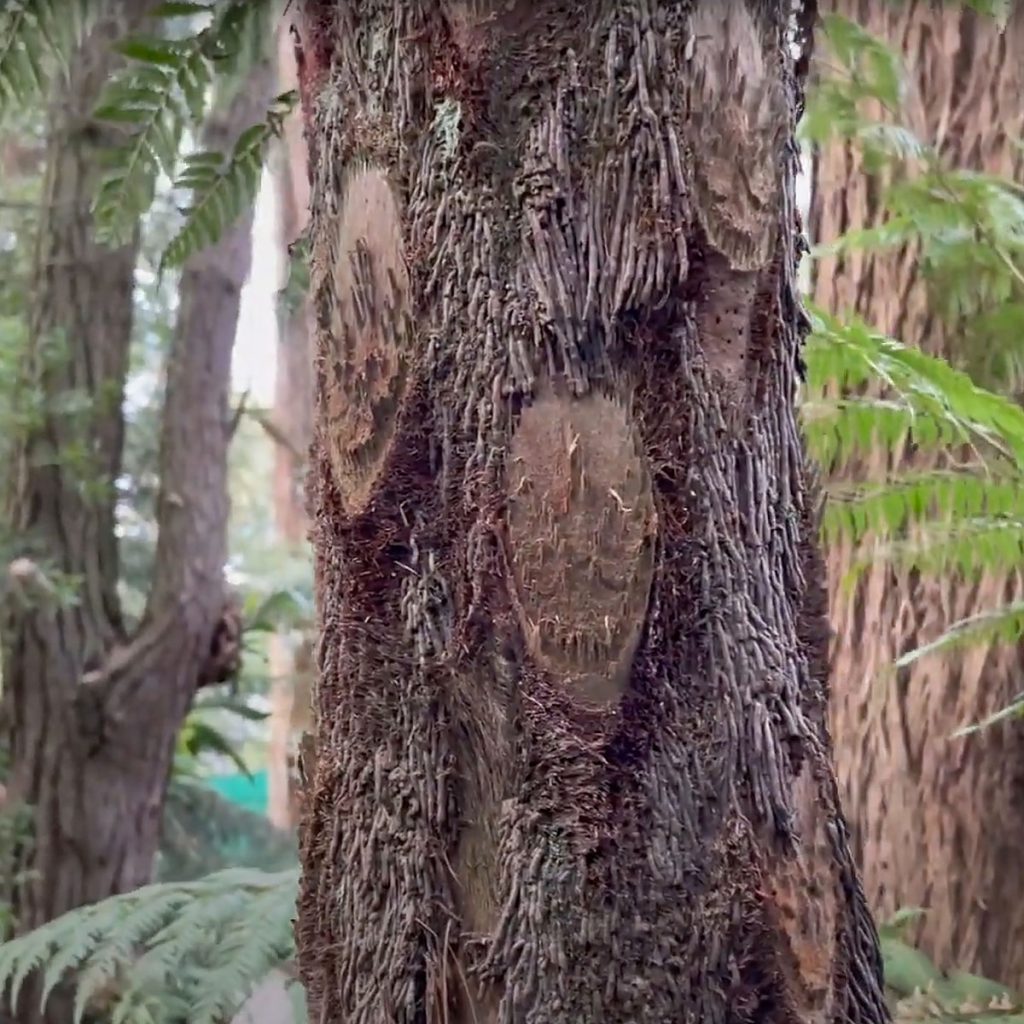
936	821
92	711
571	762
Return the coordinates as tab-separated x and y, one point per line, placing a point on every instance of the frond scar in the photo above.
366	350
581	527
738	119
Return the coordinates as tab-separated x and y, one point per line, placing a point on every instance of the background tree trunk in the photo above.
937	822
62	501
93	712
571	761
290	657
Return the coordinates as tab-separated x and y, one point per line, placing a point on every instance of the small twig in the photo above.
239	413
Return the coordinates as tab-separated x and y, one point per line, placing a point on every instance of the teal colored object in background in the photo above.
251	793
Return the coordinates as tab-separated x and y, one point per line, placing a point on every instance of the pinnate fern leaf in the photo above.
924	394
36	38
1005	622
152	101
223	189
160	95
165	952
873	404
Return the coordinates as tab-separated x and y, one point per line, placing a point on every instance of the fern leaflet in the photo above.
223	191
165	952
35	37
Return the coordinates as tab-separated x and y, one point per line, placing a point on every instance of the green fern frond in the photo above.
841	429
36	37
872	402
943	499
1015	709
943	402
168	951
866	69
154	102
1002	624
968	547
160	95
223	191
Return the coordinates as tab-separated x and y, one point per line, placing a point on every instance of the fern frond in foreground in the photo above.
165	953
36	38
161	94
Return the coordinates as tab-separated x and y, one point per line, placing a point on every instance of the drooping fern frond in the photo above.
152	100
873	406
1005	622
38	37
925	396
161	94
222	189
157	98
167	952
967	547
937	500
968	227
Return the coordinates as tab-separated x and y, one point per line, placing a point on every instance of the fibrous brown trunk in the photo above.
571	761
290	657
93	710
937	822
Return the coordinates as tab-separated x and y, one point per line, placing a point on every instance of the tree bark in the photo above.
290	657
62	497
92	712
937	822
571	758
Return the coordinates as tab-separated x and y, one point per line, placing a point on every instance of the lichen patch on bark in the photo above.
581	530
365	351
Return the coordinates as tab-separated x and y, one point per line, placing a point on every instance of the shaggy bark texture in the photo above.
937	822
571	761
92	709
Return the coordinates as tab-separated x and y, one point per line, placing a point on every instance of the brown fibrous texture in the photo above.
571	755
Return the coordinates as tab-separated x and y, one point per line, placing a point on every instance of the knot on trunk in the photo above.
224	661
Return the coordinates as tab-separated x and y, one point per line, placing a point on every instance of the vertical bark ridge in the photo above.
520	808
936	821
291	659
